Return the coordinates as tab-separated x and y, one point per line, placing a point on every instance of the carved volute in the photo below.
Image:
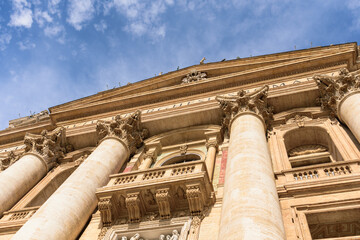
127	129
49	145
254	102
333	89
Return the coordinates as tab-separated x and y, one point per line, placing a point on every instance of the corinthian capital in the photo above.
127	129
333	89
255	102
49	145
9	160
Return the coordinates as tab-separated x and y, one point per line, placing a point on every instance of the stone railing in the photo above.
16	215
319	172
164	192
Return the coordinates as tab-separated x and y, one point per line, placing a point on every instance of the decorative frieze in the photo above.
9	160
133	207
127	129
49	145
194	76
254	102
163	201
333	89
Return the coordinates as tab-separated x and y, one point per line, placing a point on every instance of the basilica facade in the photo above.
265	147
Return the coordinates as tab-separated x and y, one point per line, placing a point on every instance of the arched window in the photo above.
310	145
181	159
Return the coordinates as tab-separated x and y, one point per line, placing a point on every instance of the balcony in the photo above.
160	193
14	220
334	176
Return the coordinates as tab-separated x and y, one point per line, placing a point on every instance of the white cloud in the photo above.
25	45
57	31
79	12
42	17
143	17
354	7
101	26
53	7
22	15
5	39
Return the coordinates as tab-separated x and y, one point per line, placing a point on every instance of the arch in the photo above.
176	157
310	145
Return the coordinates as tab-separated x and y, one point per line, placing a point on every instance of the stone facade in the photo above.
264	147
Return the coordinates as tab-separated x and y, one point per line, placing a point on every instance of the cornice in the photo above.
211	84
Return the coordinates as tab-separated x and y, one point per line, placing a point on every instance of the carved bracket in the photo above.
163	201
133	206
194	196
127	129
105	208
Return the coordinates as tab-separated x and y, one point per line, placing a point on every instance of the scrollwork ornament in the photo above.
127	129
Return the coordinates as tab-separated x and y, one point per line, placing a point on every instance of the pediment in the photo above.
218	75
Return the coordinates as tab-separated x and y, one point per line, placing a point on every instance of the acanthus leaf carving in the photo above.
334	88
49	145
128	129
11	158
254	102
194	76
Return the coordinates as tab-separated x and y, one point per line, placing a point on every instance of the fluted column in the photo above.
341	95
251	208
212	143
150	155
22	173
66	212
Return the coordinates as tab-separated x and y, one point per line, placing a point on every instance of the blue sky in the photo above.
55	51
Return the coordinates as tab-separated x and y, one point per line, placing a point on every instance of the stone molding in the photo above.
253	103
335	89
50	146
127	129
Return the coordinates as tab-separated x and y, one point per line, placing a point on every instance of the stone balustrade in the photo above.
164	192
319	172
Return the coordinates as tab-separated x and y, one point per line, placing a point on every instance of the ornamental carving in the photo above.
163	201
212	143
49	145
9	160
194	76
334	88
255	102
127	129
133	207
307	149
194	196
104	207
299	120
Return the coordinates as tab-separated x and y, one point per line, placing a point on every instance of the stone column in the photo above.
251	208
66	212
150	155
212	142
20	174
341	95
